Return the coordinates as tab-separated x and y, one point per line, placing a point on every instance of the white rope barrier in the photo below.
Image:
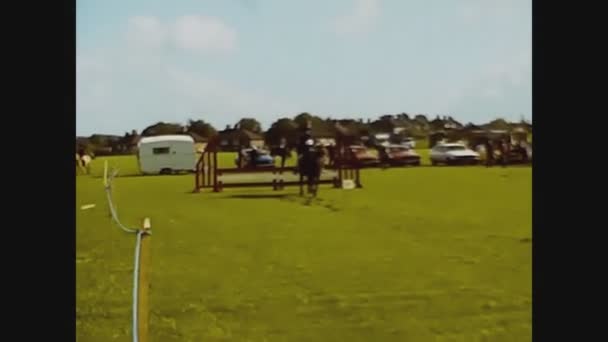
140	232
136	287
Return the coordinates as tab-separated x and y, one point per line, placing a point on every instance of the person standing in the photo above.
489	153
309	164
504	153
253	156
283	151
331	150
302	147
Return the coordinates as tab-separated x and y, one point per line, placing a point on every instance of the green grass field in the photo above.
419	254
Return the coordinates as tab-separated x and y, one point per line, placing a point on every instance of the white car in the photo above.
409	142
453	153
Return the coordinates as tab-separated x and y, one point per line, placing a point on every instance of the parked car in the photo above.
410	142
263	159
363	156
453	153
399	155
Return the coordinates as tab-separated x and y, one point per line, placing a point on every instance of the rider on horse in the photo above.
302	146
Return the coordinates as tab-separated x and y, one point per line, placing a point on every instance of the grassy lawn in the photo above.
419	254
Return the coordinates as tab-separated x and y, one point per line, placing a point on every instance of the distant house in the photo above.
520	133
445	123
499	124
450	123
233	139
323	136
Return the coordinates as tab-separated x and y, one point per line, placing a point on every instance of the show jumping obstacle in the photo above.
208	173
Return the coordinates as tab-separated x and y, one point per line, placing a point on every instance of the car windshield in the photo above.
455	148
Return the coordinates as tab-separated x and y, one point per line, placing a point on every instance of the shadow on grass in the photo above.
142	175
258	196
305	200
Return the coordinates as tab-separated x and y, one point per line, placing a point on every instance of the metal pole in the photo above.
144	283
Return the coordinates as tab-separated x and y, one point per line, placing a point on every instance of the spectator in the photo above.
489	153
504	152
253	156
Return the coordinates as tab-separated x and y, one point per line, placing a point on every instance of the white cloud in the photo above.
503	87
361	18
229	101
113	90
514	71
202	33
474	11
490	92
147	31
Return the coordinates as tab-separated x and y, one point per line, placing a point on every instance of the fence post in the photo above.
144	284
216	186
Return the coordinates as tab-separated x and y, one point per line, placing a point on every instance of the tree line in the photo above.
416	126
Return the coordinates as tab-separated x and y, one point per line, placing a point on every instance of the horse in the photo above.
311	165
84	163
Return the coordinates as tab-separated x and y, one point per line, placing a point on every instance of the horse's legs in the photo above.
315	186
301	184
317	181
310	180
308	184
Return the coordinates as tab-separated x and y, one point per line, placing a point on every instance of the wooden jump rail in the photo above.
207	173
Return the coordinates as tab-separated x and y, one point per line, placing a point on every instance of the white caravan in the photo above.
165	154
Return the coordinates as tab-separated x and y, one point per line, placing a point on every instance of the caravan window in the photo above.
160	150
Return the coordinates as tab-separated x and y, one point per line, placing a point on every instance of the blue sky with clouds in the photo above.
139	62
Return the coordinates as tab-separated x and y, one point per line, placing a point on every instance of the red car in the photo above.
363	156
399	155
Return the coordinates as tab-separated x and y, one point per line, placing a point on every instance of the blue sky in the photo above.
140	62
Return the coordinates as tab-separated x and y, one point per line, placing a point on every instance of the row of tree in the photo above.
418	126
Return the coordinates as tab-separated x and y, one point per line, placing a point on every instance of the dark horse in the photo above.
310	165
